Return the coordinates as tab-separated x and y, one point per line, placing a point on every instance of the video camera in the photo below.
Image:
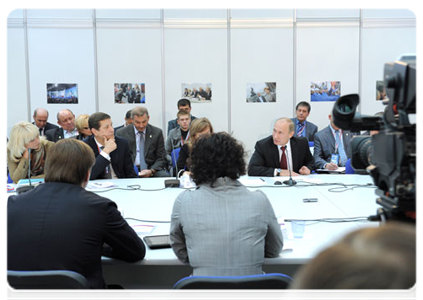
389	155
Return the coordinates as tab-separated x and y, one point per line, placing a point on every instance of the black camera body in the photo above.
389	155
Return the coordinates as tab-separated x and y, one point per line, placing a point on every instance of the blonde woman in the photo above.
81	124
199	127
25	136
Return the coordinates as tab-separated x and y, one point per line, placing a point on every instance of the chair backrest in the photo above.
174	155
55	279
348	168
262	281
136	170
9	179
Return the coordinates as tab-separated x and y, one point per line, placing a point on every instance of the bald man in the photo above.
66	120
40	120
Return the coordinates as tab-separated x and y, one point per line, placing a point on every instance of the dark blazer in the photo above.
48	127
174	124
324	146
311	129
266	158
120	157
55	134
61	226
154	149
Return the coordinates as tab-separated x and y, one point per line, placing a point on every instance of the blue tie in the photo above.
341	151
143	164
300	129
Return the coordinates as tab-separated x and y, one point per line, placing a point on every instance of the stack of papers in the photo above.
98	185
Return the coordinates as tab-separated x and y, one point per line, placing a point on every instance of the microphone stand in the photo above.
289	182
23	189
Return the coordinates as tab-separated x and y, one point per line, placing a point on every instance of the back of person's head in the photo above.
217	155
184	102
370	258
95	118
305	104
21	134
81	122
139	111
69	160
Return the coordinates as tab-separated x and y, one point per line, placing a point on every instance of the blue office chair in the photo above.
311	144
56	279
348	168
136	170
9	179
174	155
261	281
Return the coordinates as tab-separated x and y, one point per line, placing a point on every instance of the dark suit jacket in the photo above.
55	134
120	157
324	146
266	158
48	127
154	149
61	226
311	129
174	124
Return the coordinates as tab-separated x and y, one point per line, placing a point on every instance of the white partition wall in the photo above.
225	48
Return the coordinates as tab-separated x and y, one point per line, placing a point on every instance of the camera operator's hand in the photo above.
331	166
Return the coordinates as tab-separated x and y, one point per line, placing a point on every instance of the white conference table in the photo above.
154	203
153	277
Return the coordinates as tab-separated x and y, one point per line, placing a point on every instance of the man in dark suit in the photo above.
146	144
61	226
128	121
303	128
184	104
40	120
281	152
66	120
331	147
113	157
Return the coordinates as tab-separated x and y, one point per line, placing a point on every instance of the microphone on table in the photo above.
289	182
26	188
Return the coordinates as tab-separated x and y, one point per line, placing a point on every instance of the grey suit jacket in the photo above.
154	150
311	129
224	229
173	138
324	146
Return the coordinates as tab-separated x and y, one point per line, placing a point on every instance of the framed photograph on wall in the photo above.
261	92
62	93
129	93
325	90
197	92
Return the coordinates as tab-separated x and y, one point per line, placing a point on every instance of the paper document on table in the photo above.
98	185
252	182
143	229
339	170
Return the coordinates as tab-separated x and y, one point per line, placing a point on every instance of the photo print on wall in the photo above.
62	93
197	92
325	90
129	93
261	92
380	91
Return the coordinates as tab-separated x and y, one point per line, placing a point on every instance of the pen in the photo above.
262	179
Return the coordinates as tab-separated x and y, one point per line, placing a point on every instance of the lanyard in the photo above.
182	140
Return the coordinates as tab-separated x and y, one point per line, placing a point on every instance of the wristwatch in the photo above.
278	172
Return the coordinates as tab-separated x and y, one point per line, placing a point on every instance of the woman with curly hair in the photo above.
222	228
24	137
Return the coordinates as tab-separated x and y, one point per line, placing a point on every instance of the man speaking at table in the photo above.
113	158
61	226
281	153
